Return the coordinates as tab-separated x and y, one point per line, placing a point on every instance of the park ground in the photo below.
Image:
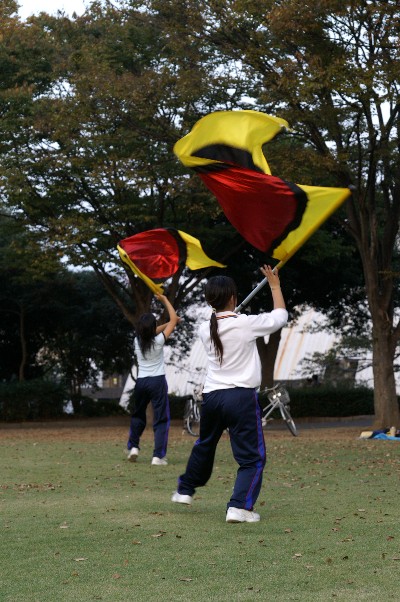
80	522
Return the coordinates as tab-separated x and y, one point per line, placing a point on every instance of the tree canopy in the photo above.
91	107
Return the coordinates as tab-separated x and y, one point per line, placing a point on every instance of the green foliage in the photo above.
31	400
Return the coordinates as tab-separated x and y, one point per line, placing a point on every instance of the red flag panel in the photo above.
155	252
263	208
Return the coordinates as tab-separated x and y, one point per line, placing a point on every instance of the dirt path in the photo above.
116	428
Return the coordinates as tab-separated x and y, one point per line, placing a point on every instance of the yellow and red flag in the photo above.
155	255
275	216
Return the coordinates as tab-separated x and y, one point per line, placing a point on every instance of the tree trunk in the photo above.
22	338
268	353
379	288
385	398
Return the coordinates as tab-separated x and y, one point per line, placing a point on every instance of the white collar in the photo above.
226	314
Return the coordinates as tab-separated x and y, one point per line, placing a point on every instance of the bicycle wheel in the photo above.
191	418
288	419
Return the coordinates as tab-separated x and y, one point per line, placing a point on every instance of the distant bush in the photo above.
100	407
177	406
38	399
314	401
324	401
31	400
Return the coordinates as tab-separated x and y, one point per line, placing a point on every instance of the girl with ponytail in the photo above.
151	385
230	398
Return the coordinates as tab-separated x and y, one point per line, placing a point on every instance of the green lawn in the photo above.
80	523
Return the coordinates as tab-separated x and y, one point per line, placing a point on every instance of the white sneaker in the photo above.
133	454
159	461
239	515
180	498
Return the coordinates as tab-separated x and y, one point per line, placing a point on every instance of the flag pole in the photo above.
258	288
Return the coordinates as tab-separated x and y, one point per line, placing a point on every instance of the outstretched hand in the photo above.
161	298
271	275
165	301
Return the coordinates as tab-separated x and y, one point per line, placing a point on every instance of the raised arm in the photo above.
275	285
169	326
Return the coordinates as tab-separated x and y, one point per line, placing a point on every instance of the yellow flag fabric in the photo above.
322	202
232	132
274	215
196	258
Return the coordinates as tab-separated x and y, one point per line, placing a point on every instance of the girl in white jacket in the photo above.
230	399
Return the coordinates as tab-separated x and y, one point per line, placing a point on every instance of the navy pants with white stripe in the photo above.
238	410
152	389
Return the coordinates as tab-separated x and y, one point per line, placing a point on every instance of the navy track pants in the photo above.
152	389
239	411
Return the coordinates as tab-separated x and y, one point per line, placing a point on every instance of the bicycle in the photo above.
191	414
278	398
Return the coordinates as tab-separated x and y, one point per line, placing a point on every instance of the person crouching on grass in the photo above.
151	384
230	400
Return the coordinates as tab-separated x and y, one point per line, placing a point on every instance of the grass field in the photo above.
80	523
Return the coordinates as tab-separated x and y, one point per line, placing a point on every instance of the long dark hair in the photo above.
218	291
145	332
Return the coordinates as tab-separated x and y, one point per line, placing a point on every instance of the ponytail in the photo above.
218	291
214	336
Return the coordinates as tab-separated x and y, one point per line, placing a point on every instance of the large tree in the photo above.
54	321
87	146
89	128
332	69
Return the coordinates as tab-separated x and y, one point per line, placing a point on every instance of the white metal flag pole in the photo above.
258	288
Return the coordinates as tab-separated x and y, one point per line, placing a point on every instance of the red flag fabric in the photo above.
155	255
241	194
156	252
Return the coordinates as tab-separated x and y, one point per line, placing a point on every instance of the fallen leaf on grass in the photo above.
186	579
298	555
116	576
80	559
136	542
160	534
